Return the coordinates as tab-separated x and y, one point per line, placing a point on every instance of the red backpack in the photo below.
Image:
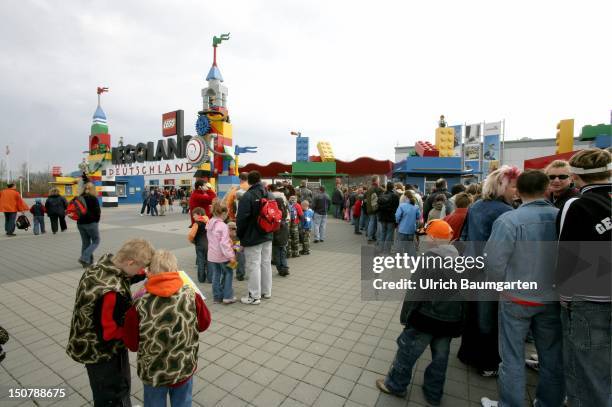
270	216
76	208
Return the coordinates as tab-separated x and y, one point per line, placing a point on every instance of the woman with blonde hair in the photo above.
479	343
55	206
560	188
88	225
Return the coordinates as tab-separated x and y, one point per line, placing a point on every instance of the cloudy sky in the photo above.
365	76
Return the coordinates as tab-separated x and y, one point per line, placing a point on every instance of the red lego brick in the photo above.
426	149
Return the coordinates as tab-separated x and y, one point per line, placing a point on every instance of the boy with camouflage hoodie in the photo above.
163	326
103	296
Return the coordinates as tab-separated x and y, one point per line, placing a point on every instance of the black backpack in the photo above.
23	222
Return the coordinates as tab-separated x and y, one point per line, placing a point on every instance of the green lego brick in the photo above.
99	128
591	132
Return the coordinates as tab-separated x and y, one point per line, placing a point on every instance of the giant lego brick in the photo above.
591	132
302	149
420	164
325	151
445	141
426	149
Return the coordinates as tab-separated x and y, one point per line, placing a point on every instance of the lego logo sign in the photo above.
169	124
172	123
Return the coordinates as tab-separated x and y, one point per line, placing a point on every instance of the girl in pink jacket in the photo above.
221	257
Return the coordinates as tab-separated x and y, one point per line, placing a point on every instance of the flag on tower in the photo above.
102	90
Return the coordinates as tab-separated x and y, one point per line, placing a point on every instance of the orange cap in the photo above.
439	229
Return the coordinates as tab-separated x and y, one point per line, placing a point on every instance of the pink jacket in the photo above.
219	242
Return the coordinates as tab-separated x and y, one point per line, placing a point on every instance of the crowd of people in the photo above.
257	226
164	198
566	202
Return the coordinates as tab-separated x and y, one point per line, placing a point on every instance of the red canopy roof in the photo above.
359	167
541	162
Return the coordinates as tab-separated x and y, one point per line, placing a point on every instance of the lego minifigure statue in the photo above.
442	122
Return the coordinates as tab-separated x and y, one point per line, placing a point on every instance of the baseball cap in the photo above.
439	229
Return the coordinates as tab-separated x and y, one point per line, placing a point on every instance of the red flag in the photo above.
102	90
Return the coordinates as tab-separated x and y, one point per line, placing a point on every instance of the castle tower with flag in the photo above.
99	154
216	129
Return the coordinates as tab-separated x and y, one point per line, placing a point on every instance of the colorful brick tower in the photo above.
215	128
99	155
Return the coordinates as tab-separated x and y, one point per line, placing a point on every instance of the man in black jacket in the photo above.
585	280
387	205
441	188
320	206
257	244
338	201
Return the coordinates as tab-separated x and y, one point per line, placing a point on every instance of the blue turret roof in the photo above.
214	73
99	115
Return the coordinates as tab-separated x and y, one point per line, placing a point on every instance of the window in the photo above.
121	190
68	190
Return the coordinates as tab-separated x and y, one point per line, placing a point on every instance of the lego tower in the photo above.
220	168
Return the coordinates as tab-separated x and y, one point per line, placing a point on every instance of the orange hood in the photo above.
164	284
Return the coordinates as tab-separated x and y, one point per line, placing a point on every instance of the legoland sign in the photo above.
172	123
166	149
165	168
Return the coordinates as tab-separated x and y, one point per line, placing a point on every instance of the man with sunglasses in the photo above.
560	188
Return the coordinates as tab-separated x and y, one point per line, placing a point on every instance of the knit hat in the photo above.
439	229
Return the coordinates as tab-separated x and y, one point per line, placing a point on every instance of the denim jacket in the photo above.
521	248
407	215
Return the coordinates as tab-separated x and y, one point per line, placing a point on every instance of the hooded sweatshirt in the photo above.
219	242
163	326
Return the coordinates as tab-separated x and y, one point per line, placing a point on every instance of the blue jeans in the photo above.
372	223
587	355
411	345
202	264
39	224
363	221
319	226
279	254
406	244
222	276
9	222
153	209
338	211
90	239
179	396
515	320
385	236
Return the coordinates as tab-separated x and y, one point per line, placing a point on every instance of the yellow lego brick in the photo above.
222	128
565	136
325	151
100	157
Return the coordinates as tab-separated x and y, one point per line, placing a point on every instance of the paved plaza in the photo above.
315	343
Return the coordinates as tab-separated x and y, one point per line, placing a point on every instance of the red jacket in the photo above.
299	213
202	199
357	208
455	220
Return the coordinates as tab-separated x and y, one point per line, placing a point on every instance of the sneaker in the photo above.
11	234
217	301
229	301
316	241
141	214
358	233
296	255
487	402
380	383
321	240
266	296
84	264
250	300
488	373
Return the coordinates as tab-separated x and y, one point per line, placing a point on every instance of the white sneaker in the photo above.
141	214
250	300
266	296
487	402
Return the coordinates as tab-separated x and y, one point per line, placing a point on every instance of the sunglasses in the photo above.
561	177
